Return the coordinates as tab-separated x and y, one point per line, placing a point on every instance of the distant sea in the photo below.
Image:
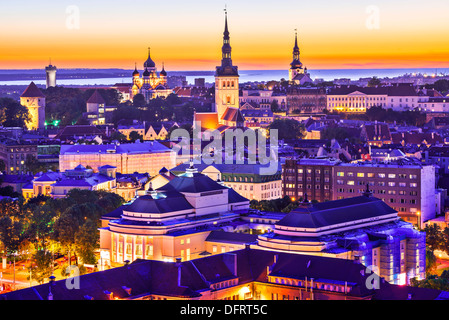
91	77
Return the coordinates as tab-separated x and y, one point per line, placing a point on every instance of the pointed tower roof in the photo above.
136	73
32	91
96	98
226	68
163	72
149	63
296	63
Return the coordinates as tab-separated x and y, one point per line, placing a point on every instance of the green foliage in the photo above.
441	85
434	237
374	82
71	222
12	113
68	104
34	166
86	242
431	282
43	270
339	134
284	204
134	135
288	129
413	118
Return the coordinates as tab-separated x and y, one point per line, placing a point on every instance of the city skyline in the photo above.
187	36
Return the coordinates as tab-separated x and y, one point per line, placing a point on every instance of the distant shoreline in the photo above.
113	76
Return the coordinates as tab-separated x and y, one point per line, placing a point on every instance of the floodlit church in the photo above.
150	84
227	112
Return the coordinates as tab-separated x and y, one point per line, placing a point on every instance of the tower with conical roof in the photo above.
296	65
226	78
34	100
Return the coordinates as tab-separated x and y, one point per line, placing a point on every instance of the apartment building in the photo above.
311	176
409	188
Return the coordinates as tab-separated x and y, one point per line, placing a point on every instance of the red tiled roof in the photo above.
233	114
96	98
32	91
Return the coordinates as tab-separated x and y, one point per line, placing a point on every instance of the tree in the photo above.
434	239
66	228
288	129
86	242
134	135
12	113
43	270
445	240
139	100
40	226
275	106
117	135
11	234
374	82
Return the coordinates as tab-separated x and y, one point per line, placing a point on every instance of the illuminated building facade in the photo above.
171	222
146	157
362	228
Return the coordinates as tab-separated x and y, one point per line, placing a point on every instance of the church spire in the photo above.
226	68
296	63
226	48
296	48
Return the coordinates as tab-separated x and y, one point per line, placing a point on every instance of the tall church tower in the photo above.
34	100
296	65
226	79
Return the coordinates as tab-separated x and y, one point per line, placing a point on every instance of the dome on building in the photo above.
136	73
146	73
149	63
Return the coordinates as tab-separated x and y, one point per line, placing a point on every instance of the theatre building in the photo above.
171	222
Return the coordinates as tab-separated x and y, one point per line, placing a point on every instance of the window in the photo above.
391	184
351	182
391	175
413	176
340	174
360	174
381	175
413	185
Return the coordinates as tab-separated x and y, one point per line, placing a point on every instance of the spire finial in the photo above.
226	20
296	37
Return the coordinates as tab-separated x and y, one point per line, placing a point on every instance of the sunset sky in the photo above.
187	35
